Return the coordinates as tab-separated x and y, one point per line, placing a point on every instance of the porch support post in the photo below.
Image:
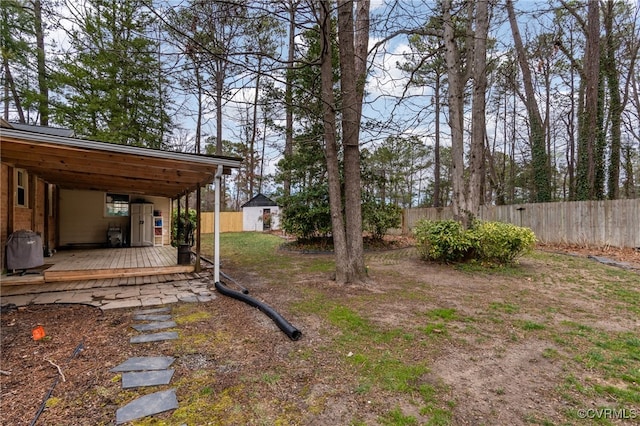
178	219
47	203
179	216
198	231
216	227
11	203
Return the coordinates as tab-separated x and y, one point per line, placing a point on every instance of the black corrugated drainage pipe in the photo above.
283	324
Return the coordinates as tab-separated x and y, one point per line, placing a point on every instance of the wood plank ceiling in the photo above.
88	165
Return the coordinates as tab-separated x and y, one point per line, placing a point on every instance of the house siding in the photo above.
83	220
22	218
4	210
38	208
15	218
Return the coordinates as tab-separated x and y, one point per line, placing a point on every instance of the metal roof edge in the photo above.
232	162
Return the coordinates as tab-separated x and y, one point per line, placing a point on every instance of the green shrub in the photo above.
491	242
443	240
183	227
307	214
379	218
498	242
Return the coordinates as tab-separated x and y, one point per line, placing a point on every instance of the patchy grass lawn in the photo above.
551	341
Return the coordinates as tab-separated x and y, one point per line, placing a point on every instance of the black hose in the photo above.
288	329
43	405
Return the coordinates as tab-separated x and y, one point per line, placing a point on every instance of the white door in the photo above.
141	225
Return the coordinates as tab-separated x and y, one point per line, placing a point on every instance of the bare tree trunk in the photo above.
288	94
16	99
436	153
541	178
572	141
219	76
43	101
613	83
353	57
254	132
331	144
199	118
478	113
629	185
456	113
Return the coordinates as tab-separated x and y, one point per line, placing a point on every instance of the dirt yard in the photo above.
418	344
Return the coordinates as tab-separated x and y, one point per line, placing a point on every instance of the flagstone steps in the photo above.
148	371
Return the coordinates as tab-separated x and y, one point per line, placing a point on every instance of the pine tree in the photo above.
110	84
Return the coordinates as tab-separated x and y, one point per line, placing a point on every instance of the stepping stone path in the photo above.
148	371
152	326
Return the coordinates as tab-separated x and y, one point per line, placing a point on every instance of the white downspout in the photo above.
216	227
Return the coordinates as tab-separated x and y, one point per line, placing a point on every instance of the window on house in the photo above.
117	205
21	186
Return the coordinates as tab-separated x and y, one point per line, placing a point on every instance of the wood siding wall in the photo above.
6	185
83	220
611	222
30	217
229	222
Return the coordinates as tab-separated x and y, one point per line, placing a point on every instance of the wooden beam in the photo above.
33	151
98	166
74	167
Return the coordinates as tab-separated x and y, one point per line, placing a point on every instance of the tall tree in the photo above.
588	132
478	108
425	67
43	85
288	96
611	73
590	107
104	80
396	170
541	173
263	34
456	76
17	31
346	218
353	40
465	43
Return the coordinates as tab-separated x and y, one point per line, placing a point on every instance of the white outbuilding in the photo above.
260	214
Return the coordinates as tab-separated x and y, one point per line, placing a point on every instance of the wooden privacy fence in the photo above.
229	222
610	222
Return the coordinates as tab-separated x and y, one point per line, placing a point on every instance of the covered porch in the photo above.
132	265
44	164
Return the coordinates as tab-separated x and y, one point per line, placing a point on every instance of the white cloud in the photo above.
385	78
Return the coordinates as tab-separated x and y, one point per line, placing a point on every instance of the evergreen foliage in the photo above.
378	218
443	241
489	242
183	227
111	84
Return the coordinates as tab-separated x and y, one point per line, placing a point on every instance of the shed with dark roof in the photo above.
260	214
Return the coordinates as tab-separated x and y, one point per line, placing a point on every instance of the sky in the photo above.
385	83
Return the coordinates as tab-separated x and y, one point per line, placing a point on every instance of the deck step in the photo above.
97	274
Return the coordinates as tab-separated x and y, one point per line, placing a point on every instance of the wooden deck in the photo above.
93	264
